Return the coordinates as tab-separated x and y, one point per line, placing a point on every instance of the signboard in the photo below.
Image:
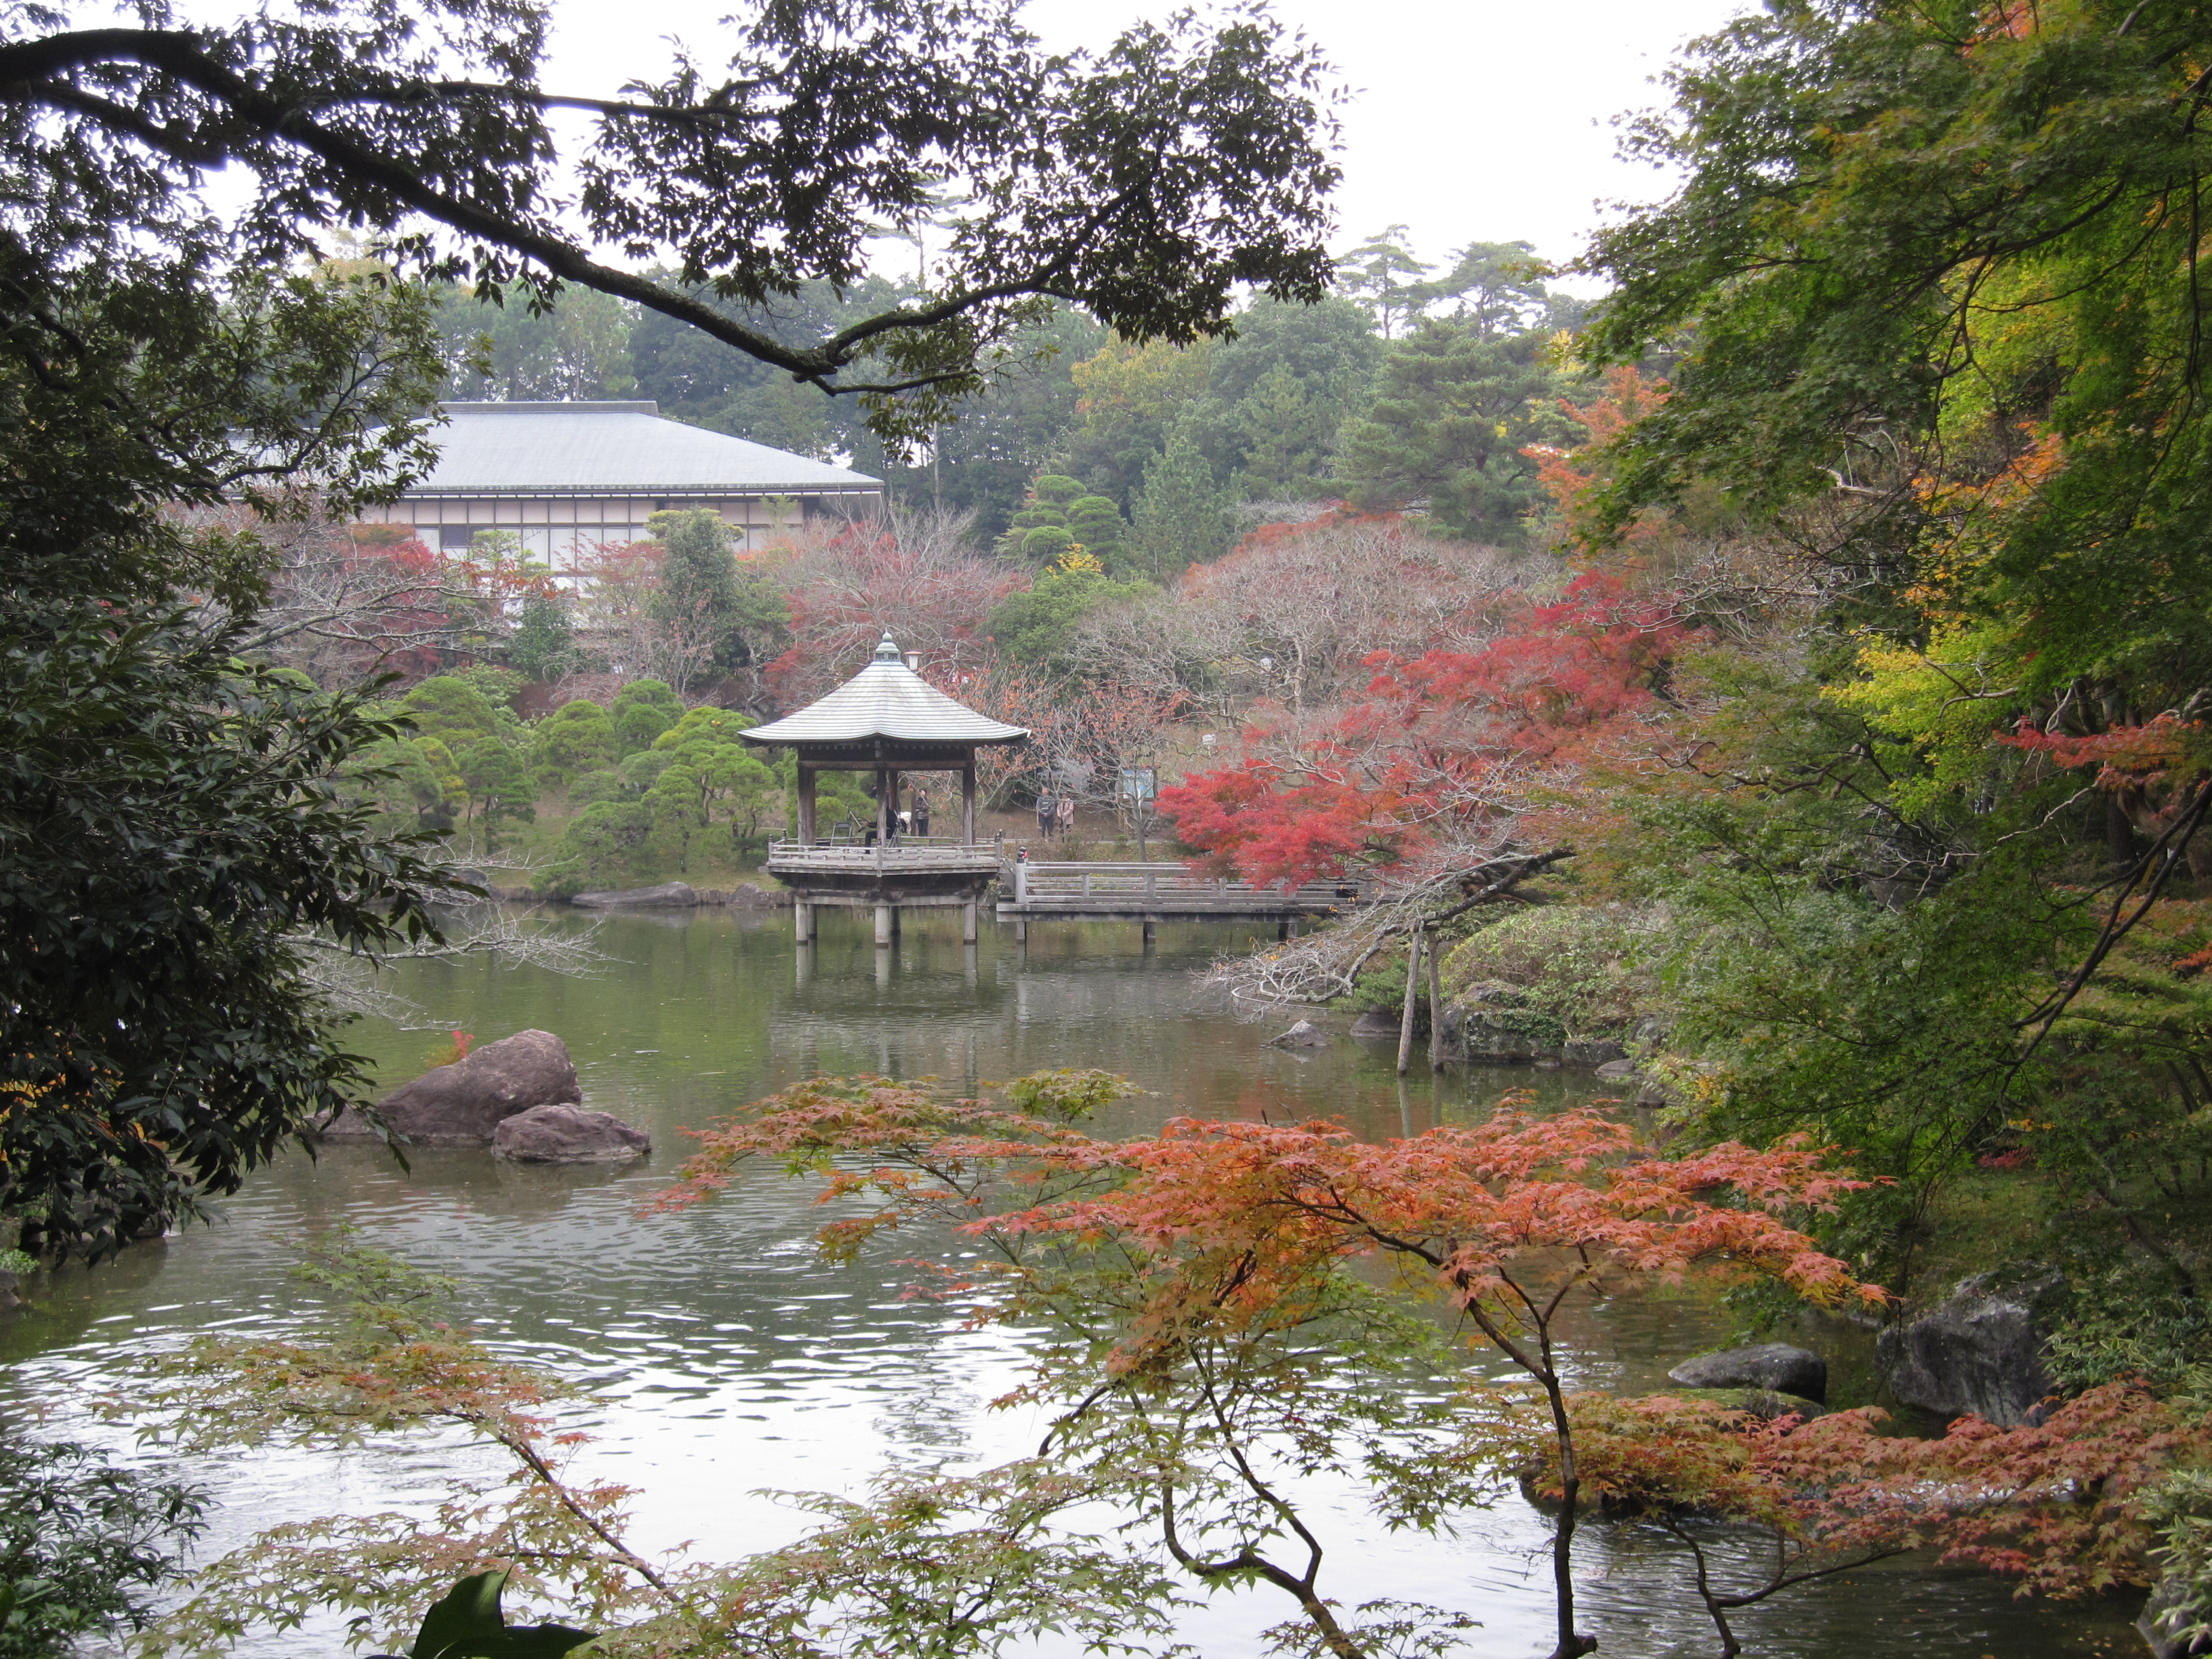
1139	783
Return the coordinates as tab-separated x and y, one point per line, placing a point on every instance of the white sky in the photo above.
1485	120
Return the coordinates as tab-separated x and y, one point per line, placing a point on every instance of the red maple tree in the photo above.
1443	747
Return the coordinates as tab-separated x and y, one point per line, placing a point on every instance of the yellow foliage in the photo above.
1942	707
1142	380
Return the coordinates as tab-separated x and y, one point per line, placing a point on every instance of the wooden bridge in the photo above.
1152	893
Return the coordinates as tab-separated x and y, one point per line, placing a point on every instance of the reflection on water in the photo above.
728	1361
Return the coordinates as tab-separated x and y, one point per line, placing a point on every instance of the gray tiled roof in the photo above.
887	699
579	446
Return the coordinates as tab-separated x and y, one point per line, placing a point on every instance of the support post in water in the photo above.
968	923
1413	993
1436	1012
883	928
802	923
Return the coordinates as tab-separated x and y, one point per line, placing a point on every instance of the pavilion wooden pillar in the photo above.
968	802
883	805
805	804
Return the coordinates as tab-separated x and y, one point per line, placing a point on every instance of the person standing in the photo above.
920	811
1067	816
1047	811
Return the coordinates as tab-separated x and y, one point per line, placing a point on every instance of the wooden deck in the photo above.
1162	892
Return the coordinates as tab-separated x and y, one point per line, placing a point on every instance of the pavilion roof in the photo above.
887	699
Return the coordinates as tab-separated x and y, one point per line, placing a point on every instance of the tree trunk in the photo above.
1412	992
1435	1012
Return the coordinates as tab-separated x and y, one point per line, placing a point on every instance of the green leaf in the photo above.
467	1623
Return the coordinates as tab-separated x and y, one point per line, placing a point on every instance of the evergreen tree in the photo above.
982	460
706	383
1286	435
1384	275
1100	531
1044	508
449	708
575	738
497	348
1452	416
1038	625
642	710
1181	516
739	615
1498	286
544	643
500	787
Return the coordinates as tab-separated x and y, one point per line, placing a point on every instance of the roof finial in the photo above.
888	650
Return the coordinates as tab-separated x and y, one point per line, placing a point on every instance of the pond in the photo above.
729	1362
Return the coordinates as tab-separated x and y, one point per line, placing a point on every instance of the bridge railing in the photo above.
1043	882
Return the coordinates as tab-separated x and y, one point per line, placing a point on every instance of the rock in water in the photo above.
1304	1035
461	1104
1611	1069
1775	1367
669	895
567	1135
1376	1023
1980	1350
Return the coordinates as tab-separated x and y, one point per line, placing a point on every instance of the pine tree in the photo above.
1286	433
1181	516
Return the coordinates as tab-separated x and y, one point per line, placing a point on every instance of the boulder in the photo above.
1593	1051
1774	1366
567	1135
1376	1023
461	1104
1979	1351
1617	1069
669	895
755	897
1304	1035
2162	1615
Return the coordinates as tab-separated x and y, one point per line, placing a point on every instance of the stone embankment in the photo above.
666	896
679	896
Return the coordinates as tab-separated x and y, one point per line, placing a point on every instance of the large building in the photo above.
565	476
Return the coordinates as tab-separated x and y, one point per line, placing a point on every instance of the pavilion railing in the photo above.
909	853
1045	883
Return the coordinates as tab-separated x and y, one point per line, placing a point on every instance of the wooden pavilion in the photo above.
889	720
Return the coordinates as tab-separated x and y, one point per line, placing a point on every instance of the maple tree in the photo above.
1445	747
2065	1505
1190	1270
